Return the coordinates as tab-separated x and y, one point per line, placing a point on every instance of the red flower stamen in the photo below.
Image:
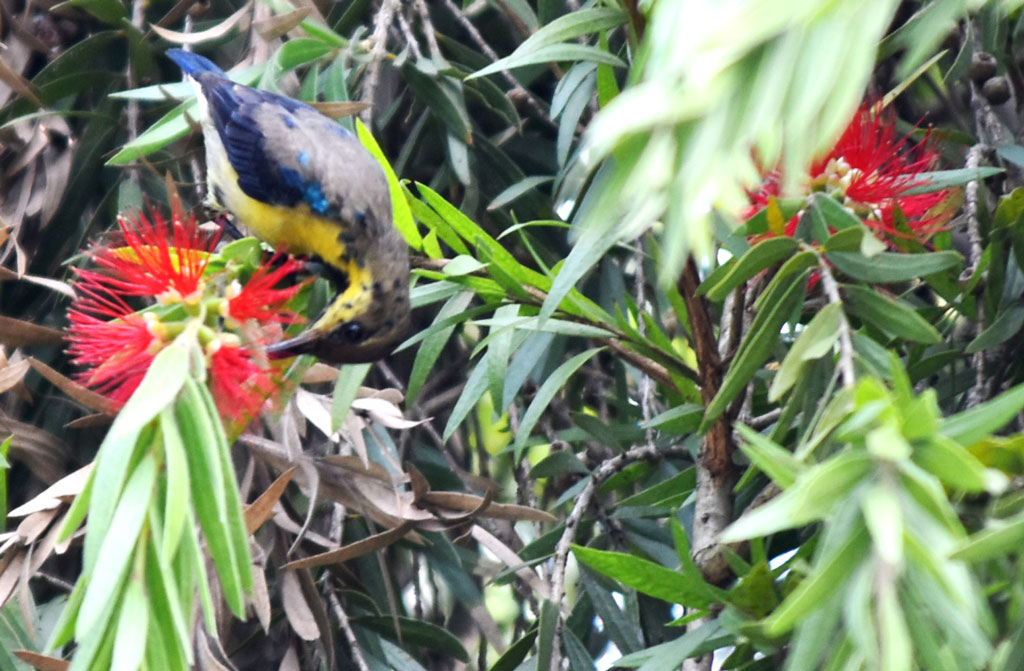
259	300
870	170
239	385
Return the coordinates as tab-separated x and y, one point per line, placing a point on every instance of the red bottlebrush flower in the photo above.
117	352
165	261
870	170
239	385
259	300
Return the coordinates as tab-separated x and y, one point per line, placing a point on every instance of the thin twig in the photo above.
597	477
518	91
428	28
385	15
971	195
350	636
828	282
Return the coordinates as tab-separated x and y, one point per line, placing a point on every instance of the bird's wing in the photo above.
285	152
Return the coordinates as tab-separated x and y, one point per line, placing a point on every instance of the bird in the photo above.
305	185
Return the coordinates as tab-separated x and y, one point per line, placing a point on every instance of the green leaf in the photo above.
764	254
178	486
416	632
883	516
998	538
944	179
888	267
811	497
169	128
476	385
116	551
211	500
834	215
132	623
756	346
890	315
646	577
828	577
546	624
706	638
815	341
778	463
161	384
107	11
544	395
346	388
679	421
430	350
954	465
1006	325
970	426
544	45
400	211
558	463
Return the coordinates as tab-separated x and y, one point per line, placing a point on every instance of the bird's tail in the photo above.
193	64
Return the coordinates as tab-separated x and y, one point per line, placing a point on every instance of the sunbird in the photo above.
305	185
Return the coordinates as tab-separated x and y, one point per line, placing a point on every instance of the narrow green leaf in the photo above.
476	385
778	463
107	11
167	129
132	625
205	466
646	577
764	254
161	384
544	395
346	388
952	463
400	211
998	538
178	486
890	315
813	591
756	346
620	626
544	45
430	350
944	179
887	267
679	421
416	632
1006	325
812	497
883	516
815	341
116	551
970	426
546	624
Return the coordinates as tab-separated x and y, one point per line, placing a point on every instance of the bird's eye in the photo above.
353	332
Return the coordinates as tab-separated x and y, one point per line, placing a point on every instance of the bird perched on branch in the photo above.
304	184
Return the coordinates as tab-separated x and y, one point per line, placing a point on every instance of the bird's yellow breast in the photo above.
297	231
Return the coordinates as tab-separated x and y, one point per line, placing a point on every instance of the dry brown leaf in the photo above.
508	557
352	550
56	286
40	450
42	662
260	598
501	511
419	484
77	392
290	661
33	526
277	26
53	496
18	333
291	526
319	373
211	657
89	421
12	374
296	609
11	575
384	413
316	409
261	510
341	109
219	30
